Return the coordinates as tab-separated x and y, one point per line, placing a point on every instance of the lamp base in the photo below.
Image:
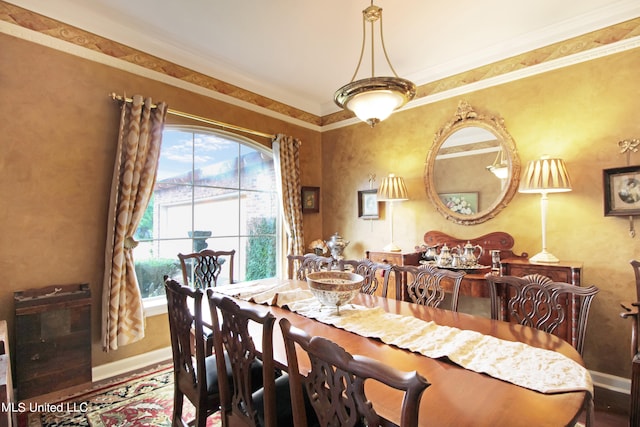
544	256
392	247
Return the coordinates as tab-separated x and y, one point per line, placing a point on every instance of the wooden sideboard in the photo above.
473	283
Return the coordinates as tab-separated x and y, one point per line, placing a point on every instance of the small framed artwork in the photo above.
622	191
462	203
368	204
310	199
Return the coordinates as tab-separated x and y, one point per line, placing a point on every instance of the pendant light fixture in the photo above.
373	99
500	166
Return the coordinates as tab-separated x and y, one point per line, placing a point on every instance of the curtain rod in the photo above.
202	119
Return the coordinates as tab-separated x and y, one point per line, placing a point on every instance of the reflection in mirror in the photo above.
472	168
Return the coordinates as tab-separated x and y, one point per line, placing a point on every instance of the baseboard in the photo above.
129	364
611	382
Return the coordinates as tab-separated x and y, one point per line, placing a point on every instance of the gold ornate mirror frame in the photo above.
464	118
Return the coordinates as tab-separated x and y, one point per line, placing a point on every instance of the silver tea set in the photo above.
461	256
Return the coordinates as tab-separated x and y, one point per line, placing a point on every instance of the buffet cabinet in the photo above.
53	339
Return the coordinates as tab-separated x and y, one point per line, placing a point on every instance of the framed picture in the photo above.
462	203
622	191
310	199
368	204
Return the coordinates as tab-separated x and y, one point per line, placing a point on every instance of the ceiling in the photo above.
299	52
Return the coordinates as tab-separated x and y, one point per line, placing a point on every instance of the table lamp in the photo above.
545	176
392	190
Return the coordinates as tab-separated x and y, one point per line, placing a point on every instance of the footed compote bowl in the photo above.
334	288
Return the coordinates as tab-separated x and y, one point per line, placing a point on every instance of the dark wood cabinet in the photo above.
53	339
564	271
394	258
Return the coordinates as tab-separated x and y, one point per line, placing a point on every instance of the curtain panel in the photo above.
134	176
286	155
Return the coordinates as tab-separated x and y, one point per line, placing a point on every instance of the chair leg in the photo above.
209	346
634	409
201	417
590	410
178	400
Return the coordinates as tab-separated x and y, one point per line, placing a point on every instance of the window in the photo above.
213	190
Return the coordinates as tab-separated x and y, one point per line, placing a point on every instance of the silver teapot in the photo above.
430	253
445	257
336	245
456	261
470	254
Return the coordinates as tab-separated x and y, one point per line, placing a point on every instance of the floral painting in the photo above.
462	203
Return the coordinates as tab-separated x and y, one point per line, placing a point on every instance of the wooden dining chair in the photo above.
336	384
195	375
374	274
252	397
427	285
541	303
203	269
632	311
298	266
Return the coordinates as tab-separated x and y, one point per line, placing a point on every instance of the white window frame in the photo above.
155	306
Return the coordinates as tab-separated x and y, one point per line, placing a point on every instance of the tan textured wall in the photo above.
577	113
57	143
58	134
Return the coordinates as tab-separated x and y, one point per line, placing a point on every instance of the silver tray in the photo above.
446	267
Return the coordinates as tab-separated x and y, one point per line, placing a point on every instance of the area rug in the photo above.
141	400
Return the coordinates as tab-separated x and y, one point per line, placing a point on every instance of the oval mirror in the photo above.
473	168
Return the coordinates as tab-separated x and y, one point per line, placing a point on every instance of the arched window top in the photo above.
214	189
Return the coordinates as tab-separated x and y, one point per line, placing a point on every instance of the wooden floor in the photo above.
612	409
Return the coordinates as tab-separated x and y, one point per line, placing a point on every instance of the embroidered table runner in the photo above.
534	368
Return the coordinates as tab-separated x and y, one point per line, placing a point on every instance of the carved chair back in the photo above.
298	266
539	302
250	398
374	274
336	383
203	269
424	284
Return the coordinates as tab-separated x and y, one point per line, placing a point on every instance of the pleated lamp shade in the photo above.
392	189
545	176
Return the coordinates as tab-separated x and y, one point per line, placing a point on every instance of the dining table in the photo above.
457	395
